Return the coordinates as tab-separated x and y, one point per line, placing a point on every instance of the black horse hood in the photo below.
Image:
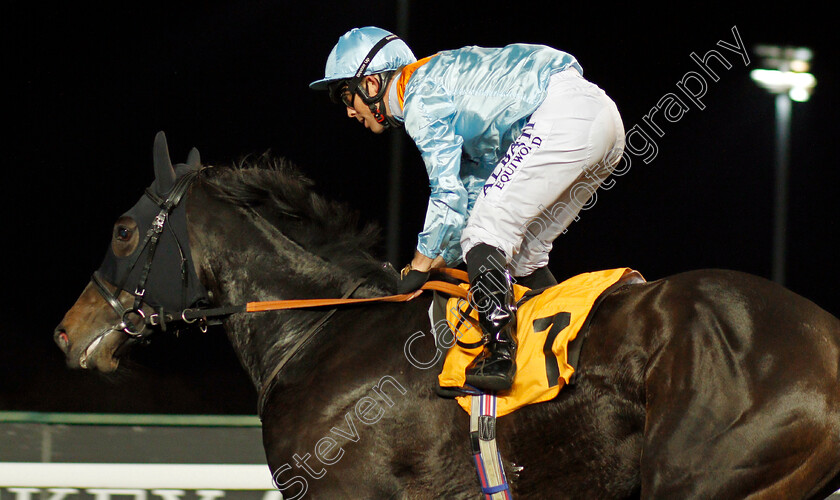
171	283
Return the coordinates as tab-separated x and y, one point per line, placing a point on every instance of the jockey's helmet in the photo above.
354	46
360	52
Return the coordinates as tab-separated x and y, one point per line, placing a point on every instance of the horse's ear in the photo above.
164	173
194	159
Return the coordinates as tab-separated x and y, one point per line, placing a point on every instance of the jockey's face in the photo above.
360	111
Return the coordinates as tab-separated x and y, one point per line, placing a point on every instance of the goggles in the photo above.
340	93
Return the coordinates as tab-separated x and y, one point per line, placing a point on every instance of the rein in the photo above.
192	315
205	315
213	315
304	339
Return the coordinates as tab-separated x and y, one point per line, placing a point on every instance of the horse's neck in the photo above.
240	258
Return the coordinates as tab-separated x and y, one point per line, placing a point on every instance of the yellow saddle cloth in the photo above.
546	323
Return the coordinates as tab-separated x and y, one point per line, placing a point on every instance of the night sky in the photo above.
89	85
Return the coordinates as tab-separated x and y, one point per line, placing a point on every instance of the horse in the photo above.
705	384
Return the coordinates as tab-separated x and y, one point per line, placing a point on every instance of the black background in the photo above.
89	84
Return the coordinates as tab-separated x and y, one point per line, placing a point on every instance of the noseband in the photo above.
176	194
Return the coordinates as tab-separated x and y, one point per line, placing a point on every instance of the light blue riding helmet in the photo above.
348	55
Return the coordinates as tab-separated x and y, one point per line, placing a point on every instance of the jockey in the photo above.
515	142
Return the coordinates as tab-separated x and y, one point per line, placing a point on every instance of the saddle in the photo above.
549	322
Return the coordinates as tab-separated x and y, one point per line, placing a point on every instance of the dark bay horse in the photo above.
707	384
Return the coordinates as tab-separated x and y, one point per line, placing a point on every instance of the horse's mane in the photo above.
278	191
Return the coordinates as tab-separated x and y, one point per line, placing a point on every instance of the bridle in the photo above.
150	242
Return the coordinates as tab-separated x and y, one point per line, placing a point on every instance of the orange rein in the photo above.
274	305
440	286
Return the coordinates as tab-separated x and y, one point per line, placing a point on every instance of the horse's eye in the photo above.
124	240
122	233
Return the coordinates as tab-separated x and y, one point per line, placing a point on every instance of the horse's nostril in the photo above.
61	338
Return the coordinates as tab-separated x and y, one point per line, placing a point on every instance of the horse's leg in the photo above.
743	395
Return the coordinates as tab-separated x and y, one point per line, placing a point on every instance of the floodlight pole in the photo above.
785	74
783	112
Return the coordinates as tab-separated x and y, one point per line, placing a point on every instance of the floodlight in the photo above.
784	73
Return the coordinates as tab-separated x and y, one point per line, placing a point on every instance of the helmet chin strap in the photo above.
378	114
382	117
375	103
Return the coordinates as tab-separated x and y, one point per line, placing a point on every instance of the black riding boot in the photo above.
491	294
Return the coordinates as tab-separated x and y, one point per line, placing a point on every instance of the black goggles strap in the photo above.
354	82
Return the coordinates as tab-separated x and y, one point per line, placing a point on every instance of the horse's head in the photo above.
147	268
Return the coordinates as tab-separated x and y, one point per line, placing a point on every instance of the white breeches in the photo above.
570	144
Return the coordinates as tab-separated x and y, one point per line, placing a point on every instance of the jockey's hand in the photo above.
416	273
411	279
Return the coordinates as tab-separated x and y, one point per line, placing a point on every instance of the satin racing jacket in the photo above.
463	108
